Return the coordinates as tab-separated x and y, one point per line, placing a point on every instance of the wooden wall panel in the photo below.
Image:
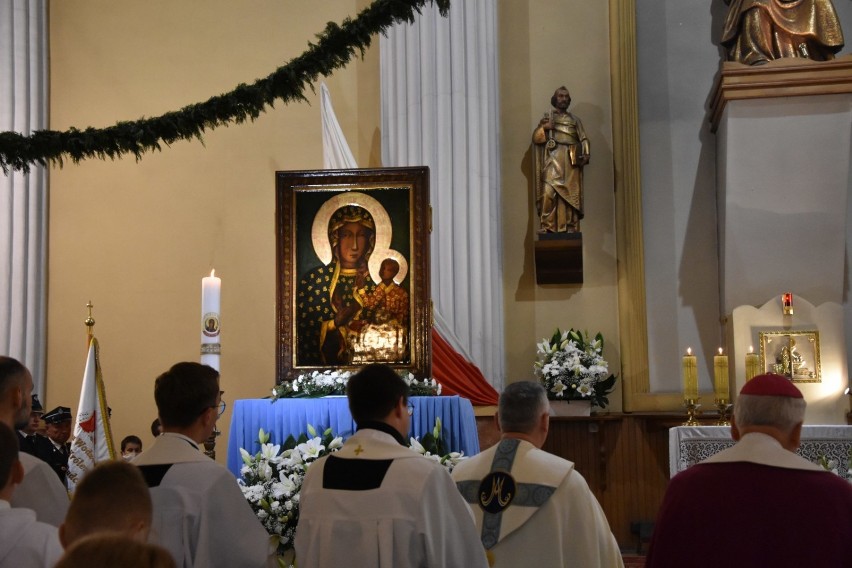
624	459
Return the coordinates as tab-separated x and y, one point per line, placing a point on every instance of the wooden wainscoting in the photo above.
623	457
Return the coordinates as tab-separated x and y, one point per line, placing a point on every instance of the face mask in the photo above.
127	456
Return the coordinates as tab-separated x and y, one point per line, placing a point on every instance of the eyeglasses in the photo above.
220	406
410	408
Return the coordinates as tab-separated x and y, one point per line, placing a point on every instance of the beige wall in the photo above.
136	238
546	44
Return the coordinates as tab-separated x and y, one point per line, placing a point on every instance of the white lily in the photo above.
311	449
417	446
269	451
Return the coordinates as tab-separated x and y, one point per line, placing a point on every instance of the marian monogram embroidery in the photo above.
496	491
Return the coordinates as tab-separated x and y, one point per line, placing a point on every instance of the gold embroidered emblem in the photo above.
496	491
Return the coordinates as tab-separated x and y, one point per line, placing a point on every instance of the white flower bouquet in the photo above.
272	479
570	367
313	384
333	382
432	446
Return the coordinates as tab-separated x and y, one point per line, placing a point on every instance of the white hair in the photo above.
782	412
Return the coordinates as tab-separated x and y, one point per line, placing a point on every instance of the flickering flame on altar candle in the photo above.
752	363
690	375
720	367
787	303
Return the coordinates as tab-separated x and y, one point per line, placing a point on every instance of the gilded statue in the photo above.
560	150
759	31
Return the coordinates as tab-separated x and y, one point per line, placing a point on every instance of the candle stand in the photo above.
210	443
724	408
692	407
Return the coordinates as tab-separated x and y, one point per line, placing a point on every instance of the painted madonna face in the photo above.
353	240
352	234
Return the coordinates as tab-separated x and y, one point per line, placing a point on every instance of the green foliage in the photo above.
335	47
433	442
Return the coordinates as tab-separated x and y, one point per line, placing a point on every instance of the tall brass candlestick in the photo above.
690	376
752	364
720	368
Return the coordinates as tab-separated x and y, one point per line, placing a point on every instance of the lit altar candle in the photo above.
787	304
211	287
720	366
690	375
752	363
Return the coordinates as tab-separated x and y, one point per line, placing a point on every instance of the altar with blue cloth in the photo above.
291	416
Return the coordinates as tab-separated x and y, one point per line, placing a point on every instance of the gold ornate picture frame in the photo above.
352	270
794	354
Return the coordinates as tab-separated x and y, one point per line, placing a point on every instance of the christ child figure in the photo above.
390	301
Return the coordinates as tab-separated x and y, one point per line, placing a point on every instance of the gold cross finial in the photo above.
90	324
89	321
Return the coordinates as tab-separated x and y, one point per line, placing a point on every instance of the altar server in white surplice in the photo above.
24	542
40	489
200	514
531	507
377	504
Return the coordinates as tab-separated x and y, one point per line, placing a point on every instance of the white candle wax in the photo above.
211	287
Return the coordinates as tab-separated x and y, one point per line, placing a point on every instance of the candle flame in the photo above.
212	273
689	350
720	351
751	348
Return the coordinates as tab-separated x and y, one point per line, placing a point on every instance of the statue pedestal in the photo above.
559	258
783	171
783	174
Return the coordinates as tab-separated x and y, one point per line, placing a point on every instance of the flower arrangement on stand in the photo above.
333	383
272	478
570	367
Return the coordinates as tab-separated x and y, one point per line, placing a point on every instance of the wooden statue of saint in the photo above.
560	150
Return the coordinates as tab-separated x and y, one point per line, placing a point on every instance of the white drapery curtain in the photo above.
440	108
23	197
336	154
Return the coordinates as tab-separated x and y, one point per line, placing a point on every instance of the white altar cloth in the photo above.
689	445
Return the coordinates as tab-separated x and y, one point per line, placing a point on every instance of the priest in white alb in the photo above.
200	514
531	507
376	503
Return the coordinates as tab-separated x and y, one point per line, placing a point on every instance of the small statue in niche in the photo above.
561	149
759	31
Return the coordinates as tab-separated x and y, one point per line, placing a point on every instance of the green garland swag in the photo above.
335	48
